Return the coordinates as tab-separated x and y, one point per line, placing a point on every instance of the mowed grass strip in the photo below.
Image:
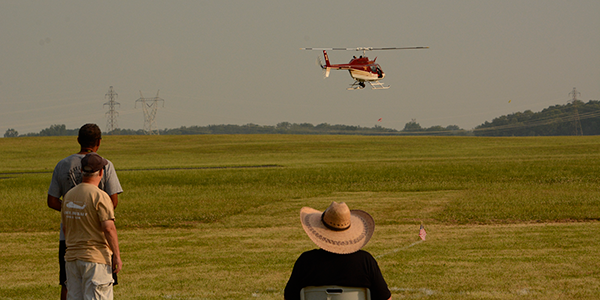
223	261
506	217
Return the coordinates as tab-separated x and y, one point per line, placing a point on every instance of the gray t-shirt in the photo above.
67	174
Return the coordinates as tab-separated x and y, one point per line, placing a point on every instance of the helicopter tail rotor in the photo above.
323	67
319	62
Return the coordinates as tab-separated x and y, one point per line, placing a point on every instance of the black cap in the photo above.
93	162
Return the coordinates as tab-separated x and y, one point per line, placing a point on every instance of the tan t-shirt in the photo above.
84	209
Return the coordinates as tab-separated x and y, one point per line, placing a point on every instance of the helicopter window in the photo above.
378	71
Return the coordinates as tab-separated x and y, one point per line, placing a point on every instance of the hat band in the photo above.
331	227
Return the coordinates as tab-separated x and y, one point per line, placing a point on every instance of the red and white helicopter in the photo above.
361	68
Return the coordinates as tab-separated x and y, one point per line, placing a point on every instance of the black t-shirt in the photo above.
319	267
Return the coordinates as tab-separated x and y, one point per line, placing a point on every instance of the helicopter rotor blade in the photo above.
394	48
321	49
366	48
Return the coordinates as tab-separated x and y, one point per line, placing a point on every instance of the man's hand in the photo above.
117	264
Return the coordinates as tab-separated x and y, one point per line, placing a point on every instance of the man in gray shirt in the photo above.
67	174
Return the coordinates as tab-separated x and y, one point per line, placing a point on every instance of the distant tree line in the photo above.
552	121
53	130
411	128
414	128
284	128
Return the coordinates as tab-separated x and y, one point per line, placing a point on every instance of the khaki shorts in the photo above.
87	280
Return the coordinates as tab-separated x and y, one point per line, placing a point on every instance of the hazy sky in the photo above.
239	62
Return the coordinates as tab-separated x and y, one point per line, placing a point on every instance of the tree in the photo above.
436	128
284	125
54	130
412	126
11	133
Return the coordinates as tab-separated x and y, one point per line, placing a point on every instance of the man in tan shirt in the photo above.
91	236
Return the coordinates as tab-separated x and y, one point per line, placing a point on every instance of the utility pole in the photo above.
577	121
150	106
111	114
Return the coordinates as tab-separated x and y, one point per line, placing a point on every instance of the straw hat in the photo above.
338	229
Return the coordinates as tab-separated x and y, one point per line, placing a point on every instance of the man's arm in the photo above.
54	203
110	232
112	186
115	200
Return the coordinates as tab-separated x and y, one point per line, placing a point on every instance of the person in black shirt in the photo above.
340	233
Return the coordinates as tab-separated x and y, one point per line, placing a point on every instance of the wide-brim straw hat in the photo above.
338	229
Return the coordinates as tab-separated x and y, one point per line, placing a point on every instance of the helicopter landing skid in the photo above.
376	85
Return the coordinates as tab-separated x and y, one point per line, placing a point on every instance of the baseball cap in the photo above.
92	162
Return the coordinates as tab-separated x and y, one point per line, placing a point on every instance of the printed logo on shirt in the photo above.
75	206
70	214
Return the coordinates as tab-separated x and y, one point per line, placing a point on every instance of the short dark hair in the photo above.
89	134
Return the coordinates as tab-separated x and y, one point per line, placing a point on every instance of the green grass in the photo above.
217	216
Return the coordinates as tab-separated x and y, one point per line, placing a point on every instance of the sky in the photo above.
240	62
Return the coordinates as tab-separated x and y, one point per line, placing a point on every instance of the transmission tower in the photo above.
150	106
111	114
577	121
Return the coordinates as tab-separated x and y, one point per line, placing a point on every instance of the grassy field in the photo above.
217	216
